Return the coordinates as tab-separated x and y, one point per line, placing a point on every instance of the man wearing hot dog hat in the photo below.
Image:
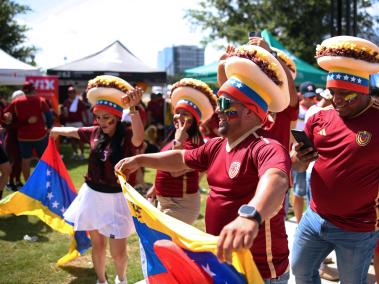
343	214
247	174
276	124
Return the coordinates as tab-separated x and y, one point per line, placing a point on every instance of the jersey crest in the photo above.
363	138
234	169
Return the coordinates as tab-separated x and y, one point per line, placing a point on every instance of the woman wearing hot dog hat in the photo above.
192	102
343	214
100	206
247	174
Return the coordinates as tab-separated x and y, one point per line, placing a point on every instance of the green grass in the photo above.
34	262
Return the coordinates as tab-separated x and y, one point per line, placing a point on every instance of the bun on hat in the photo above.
105	92
194	96
349	60
287	60
257	79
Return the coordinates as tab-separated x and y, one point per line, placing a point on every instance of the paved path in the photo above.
291	228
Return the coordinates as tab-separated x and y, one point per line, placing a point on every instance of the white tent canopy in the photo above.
14	71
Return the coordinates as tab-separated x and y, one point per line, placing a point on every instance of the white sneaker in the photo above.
117	281
97	282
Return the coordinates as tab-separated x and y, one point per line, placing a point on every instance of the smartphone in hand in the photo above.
255	34
300	136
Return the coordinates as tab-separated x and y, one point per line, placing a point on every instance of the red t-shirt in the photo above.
233	178
280	128
29	112
156	107
100	167
76	116
168	186
345	177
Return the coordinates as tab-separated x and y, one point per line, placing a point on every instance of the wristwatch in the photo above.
249	212
133	109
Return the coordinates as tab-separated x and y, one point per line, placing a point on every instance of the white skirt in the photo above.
106	212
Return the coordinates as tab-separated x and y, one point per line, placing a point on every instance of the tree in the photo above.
12	34
299	24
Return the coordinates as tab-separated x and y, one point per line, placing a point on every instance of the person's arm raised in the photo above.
134	97
221	75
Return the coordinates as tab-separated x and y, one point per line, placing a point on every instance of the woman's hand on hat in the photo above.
132	97
258	41
228	51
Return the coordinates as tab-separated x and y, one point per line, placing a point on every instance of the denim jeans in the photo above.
283	279
315	238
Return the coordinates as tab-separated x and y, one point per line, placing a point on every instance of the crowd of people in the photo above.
240	138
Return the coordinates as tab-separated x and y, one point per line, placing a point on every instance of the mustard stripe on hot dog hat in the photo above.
350	61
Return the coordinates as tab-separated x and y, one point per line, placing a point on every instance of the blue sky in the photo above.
73	29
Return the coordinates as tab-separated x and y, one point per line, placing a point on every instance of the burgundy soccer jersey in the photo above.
100	167
233	178
345	177
29	111
76	116
280	128
168	186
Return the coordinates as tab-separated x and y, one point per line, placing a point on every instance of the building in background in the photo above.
174	60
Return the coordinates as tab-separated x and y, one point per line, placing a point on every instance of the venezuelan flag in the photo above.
47	193
176	252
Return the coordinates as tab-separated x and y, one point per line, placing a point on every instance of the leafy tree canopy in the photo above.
12	34
299	24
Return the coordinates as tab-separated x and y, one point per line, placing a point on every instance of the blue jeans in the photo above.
299	183
315	238
280	280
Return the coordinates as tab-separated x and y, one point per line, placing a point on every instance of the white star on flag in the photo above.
353	79
50	195
359	80
208	270
239	85
338	76
63	210
346	77
332	76
48	173
55	204
48	184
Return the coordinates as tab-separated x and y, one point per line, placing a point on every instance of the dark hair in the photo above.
193	133
116	143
